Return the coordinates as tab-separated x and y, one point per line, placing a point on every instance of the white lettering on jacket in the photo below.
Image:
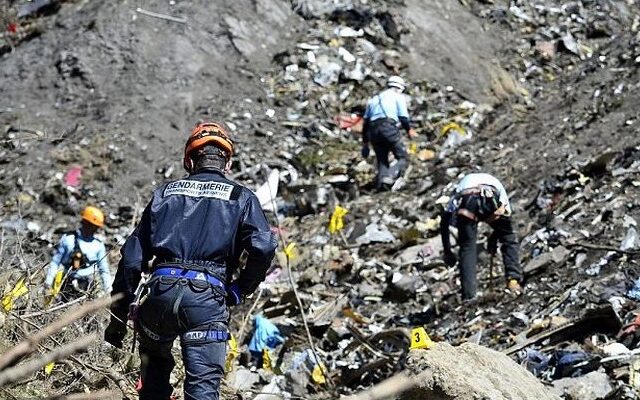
215	190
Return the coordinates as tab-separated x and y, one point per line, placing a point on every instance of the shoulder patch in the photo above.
237	191
213	190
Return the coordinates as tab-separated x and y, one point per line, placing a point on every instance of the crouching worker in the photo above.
481	197
196	228
74	262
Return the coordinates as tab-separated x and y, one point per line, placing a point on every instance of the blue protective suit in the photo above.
203	222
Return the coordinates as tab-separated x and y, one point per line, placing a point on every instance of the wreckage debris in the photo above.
370	275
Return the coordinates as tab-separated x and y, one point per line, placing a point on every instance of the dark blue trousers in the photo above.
187	309
504	234
385	138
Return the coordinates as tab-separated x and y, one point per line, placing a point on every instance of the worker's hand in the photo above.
450	259
115	332
234	296
365	151
412	133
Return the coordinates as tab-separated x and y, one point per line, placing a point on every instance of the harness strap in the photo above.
152	335
84	262
216	335
473	190
382	107
177	301
179	272
466	213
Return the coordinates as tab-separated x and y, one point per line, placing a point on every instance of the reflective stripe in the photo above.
213	334
216	335
177	272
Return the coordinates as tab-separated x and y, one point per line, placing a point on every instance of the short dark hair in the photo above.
209	157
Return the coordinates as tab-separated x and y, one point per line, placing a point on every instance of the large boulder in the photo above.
471	372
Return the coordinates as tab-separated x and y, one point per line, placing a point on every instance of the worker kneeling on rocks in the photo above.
196	228
481	197
75	259
381	118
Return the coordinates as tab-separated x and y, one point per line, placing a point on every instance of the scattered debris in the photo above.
560	134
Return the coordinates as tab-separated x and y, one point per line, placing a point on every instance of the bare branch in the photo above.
390	388
30	344
14	374
602	247
103	395
52	309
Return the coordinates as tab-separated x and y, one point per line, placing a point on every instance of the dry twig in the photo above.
297	296
247	317
52	309
30	344
14	374
391	387
102	395
602	247
161	16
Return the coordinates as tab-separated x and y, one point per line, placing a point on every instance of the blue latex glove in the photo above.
266	335
234	296
365	151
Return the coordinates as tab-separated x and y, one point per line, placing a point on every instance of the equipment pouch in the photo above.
77	260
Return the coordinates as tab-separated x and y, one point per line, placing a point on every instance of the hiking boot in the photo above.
514	287
399	184
387	180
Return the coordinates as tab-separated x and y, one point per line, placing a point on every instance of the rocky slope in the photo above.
547	89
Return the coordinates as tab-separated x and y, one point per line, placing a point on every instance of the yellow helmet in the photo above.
94	216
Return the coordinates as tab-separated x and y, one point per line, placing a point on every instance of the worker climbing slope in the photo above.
481	197
381	118
75	259
196	228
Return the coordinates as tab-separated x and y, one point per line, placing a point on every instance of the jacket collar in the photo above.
208	170
79	235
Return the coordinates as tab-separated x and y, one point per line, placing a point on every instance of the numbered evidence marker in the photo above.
420	339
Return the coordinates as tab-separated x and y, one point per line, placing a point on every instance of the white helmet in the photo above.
396	82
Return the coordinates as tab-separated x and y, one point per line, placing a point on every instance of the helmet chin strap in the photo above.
227	166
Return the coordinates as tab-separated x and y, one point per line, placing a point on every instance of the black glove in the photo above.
115	332
450	259
492	245
234	296
365	151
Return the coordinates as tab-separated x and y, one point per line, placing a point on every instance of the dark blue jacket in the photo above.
203	219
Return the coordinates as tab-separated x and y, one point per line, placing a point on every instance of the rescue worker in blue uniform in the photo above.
77	256
381	118
481	197
195	229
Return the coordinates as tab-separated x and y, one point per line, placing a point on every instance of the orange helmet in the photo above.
203	134
93	215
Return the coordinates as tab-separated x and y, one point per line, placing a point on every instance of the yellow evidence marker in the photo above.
420	339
